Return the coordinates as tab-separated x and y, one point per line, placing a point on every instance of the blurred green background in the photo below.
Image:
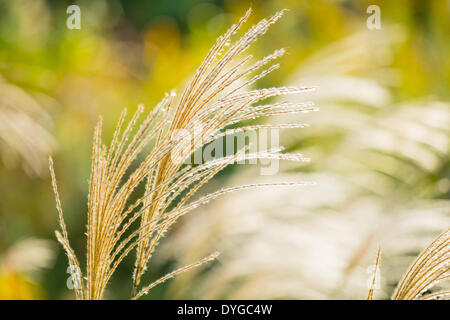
54	82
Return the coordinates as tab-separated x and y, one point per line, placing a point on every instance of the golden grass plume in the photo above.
431	266
216	97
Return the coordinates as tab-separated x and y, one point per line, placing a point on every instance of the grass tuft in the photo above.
217	96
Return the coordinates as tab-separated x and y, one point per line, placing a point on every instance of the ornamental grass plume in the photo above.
217	96
379	176
431	266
